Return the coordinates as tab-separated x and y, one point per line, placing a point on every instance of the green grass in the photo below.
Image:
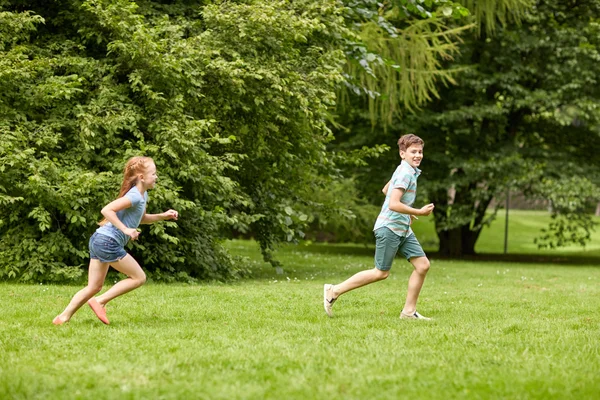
501	330
523	227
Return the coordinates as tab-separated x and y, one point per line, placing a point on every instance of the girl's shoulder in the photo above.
135	196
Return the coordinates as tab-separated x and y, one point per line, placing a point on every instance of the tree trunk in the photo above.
458	242
461	240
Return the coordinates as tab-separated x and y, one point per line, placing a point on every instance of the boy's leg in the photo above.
359	279
135	278
96	275
362	278
415	283
412	250
386	246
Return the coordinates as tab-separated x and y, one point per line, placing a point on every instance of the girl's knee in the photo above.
95	288
141	279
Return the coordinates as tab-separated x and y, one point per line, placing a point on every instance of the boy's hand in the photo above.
426	210
170	214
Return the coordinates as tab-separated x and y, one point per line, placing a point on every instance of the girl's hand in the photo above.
170	214
132	233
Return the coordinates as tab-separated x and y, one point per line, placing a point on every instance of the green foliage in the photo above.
530	92
351	220
524	111
569	199
410	68
491	14
402	57
397	61
15	28
230	102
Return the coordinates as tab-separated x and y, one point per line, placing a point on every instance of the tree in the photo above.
396	59
230	99
523	113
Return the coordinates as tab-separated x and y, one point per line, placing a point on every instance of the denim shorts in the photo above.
105	248
387	245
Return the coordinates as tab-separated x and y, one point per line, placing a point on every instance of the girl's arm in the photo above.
386	187
150	218
110	213
397	206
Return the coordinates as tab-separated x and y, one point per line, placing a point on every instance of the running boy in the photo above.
393	233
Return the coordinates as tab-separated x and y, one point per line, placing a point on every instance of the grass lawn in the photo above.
501	330
523	227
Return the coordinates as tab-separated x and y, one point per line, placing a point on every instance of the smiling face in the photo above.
149	177
413	155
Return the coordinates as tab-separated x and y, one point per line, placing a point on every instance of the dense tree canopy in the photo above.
523	115
230	99
236	101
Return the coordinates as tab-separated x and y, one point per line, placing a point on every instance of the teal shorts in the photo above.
387	244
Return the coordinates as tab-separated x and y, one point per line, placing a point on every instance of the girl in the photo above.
121	219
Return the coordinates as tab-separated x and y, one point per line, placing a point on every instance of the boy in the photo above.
393	232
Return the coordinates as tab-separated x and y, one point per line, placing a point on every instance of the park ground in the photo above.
521	326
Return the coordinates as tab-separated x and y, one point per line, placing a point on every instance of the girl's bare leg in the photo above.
135	278
96	276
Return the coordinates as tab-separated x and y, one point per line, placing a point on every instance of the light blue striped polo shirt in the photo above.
405	177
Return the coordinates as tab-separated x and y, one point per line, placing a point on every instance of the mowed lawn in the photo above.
501	330
523	227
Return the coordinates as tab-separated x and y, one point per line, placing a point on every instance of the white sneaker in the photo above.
415	315
328	298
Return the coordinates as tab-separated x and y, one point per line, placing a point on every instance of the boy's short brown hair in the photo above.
406	141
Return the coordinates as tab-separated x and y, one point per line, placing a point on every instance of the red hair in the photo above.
133	168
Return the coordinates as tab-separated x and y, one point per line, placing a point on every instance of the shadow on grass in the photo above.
559	259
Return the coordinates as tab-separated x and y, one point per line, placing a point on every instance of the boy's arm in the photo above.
150	218
397	206
386	187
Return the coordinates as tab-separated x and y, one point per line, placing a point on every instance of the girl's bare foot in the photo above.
58	320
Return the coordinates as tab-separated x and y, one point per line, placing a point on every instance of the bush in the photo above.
229	101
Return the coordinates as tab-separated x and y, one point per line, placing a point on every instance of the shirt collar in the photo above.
417	171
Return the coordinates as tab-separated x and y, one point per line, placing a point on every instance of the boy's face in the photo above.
413	155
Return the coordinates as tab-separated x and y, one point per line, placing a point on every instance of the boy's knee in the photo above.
382	274
422	266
